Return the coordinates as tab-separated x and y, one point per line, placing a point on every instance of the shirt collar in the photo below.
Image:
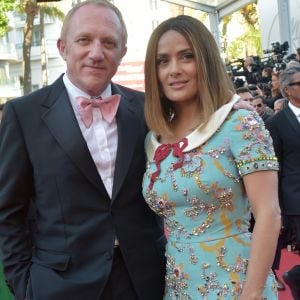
295	109
201	134
74	91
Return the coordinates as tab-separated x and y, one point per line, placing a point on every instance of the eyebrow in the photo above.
179	52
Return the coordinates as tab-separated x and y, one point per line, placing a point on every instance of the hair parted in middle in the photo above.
215	87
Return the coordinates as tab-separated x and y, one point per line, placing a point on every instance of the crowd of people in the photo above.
284	97
94	176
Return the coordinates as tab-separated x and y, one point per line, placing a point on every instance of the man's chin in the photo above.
96	87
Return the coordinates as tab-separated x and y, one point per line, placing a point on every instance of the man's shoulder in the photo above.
129	92
38	96
276	119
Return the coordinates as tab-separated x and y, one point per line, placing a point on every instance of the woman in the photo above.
203	159
275	90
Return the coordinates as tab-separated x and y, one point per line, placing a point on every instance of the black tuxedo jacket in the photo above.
285	131
44	160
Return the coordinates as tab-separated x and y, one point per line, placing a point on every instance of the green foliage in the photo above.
53	11
5	6
249	43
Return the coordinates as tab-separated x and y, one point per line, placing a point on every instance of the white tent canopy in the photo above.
217	9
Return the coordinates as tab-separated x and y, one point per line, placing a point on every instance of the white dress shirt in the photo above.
101	137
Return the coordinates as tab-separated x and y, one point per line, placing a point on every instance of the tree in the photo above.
225	21
31	9
50	11
249	43
5	6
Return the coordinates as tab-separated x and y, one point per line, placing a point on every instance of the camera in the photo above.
276	61
277	48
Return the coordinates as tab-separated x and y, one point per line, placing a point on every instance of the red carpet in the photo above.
287	261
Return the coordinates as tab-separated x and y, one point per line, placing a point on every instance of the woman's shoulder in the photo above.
242	115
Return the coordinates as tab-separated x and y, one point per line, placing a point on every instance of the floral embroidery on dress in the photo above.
176	281
200	195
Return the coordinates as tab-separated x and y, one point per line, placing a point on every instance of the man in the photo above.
279	104
284	127
93	235
245	94
251	70
261	108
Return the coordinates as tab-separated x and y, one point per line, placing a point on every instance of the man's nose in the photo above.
96	51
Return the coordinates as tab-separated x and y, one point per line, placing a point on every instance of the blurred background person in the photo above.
261	108
250	70
266	74
279	104
284	127
245	94
275	90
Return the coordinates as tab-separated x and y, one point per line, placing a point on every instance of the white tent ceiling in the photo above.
217	9
222	7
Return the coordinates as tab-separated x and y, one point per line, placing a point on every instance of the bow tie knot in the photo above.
108	108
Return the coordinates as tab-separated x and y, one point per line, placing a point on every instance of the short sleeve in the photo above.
250	143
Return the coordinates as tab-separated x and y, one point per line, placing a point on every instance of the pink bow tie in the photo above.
107	106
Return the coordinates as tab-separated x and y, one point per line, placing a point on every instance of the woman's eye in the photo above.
161	61
188	56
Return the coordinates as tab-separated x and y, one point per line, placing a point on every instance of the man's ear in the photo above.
61	48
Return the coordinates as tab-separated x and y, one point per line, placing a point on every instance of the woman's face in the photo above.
275	82
176	68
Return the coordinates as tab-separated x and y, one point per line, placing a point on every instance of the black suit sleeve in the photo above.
272	127
15	194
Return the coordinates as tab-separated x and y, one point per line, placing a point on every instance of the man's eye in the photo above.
82	41
110	44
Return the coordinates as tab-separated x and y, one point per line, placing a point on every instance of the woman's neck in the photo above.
186	120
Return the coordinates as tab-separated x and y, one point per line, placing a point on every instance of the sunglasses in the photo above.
257	105
294	83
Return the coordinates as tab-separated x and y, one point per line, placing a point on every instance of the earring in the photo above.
171	114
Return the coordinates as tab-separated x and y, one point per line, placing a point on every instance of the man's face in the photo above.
277	106
258	105
92	48
247	96
293	90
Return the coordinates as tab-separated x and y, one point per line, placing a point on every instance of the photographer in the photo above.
248	68
251	70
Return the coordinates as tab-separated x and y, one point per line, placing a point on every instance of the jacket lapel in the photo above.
292	119
128	132
61	121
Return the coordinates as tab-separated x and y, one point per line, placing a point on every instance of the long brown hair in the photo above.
215	87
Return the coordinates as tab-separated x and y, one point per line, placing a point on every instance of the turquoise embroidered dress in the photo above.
196	185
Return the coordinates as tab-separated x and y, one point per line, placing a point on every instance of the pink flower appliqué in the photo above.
162	152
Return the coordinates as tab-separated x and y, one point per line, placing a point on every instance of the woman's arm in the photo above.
262	191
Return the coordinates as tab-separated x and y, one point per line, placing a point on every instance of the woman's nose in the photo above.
174	68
